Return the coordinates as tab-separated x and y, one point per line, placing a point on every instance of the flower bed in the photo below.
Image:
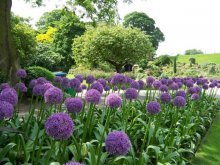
165	126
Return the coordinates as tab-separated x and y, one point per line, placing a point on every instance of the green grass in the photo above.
201	58
208	153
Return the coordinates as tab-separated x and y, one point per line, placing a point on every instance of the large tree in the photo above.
146	24
116	45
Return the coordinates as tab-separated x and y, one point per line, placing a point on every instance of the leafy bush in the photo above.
193	51
163	60
2	78
192	61
37	71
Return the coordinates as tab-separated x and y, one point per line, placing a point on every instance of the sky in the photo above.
186	24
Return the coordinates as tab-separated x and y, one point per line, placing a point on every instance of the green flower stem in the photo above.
50	152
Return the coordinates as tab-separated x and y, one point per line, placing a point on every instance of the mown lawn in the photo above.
201	58
208	153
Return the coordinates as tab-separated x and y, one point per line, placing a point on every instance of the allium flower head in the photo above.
83	86
59	126
4	86
74	105
93	96
58	79
163	81
9	95
212	85
46	86
192	90
153	107
21	87
179	101
141	84
32	83
41	80
150	80
75	83
163	88
78	90
131	94
118	79
79	77
181	93
135	85
6	110
102	81
195	96
113	100
205	86
165	97
107	88
98	86
21	73
73	163
189	83
65	83
90	79
53	96
38	90
174	86
156	84
117	143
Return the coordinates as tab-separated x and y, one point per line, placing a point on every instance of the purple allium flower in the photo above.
156	84
181	93
21	73
192	90
79	77
73	163
83	86
98	86
163	81
38	90
189	83
212	85
195	96
90	79
65	83
131	93
150	80
163	88
59	126
41	80
102	81
74	105
53	96
58	79
46	86
128	80
135	85
78	90
9	95
141	84
180	84
107	88
174	86
93	96
117	143
169	82
205	86
4	86
113	100
199	81
179	101
165	97
118	79
153	107
32	83
21	87
75	83
6	110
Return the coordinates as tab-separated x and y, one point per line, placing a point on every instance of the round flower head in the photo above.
118	79
156	84
32	83
212	85
65	83
4	86
9	95
135	85
131	93
78	90
195	96
189	83
73	163
150	80
93	96
83	86
79	77
179	101
75	83
163	88
90	79
199	81
58	79
117	143
192	90
41	80
59	126
165	97
74	105
180	84
174	86
153	107
107	88
181	93
6	110
21	87
205	86
21	73
38	90
163	81
102	81
198	89
169	82
113	100
141	84
46	86
98	86
53	96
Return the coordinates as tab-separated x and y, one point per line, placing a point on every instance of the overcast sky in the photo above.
186	24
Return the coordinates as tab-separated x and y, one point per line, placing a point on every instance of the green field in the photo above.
201	58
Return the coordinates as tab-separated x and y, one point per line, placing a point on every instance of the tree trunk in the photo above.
9	61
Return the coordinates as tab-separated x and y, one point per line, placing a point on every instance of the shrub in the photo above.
192	61
2	78
163	60
37	71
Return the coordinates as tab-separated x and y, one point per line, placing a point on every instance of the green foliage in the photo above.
192	61
45	57
174	65
163	60
115	45
37	71
146	24
24	37
3	77
193	51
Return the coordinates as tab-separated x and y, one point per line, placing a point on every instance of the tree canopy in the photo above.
146	24
193	51
116	45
